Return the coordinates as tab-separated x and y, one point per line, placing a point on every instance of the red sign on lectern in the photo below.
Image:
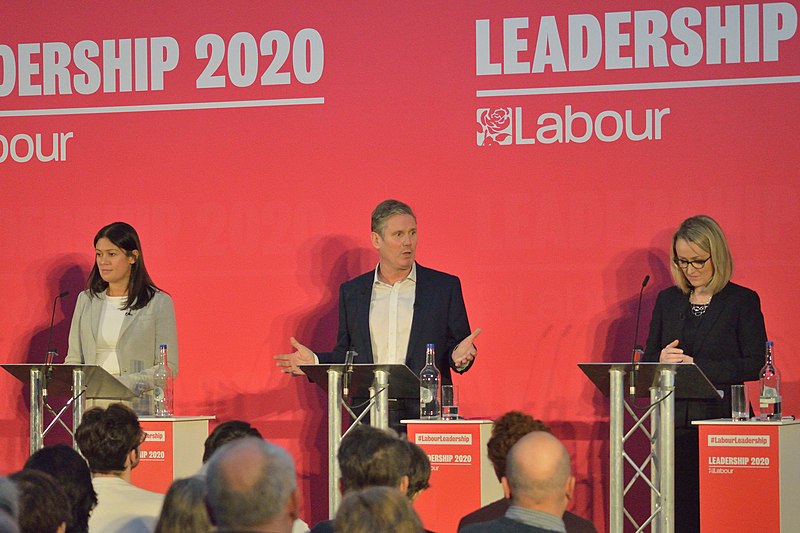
173	449
462	479
740	464
155	457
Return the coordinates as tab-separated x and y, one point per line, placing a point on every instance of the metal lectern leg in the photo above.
79	403
380	418
666	447
616	448
334	437
656	473
37	411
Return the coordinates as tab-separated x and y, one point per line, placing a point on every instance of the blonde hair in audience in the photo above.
377	510
184	507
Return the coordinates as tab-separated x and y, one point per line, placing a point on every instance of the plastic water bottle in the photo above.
770	397
162	385
429	387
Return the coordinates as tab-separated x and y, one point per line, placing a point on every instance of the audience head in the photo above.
369	456
377	509
506	431
538	474
7	523
72	474
184	507
109	438
43	505
252	483
419	473
9	497
226	432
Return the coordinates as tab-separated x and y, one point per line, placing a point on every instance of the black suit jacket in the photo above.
440	317
729	345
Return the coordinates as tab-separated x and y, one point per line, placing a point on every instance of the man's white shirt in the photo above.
123	507
391	311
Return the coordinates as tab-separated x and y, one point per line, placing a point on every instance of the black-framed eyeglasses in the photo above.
696	263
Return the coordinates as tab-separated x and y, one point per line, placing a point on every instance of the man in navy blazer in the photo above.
388	315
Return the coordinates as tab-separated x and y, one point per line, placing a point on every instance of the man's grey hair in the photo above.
9	497
249	482
387	209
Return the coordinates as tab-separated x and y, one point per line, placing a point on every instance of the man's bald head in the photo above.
538	473
251	482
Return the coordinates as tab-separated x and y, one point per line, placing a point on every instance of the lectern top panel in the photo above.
98	382
690	382
402	381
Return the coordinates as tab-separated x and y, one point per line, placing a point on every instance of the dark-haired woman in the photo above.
72	473
122	318
707	320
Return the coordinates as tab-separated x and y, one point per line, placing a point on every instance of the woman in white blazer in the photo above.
122	318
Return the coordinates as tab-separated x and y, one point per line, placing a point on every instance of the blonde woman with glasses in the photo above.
707	320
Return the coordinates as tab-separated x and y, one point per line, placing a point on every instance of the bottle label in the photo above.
425	395
158	394
768	394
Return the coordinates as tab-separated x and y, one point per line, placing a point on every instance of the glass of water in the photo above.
449	402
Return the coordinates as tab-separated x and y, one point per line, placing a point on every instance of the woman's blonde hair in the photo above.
703	232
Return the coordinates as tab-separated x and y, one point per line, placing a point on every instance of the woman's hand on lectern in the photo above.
672	354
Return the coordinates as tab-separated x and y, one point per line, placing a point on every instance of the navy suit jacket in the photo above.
729	345
503	525
495	510
440	317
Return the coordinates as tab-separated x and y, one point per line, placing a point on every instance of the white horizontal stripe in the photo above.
690	84
160	107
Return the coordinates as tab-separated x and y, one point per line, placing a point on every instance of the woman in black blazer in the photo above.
707	320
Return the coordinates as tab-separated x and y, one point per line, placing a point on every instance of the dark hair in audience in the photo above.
369	456
225	433
72	473
107	436
506	431
43	505
245	501
184	508
419	474
141	288
377	510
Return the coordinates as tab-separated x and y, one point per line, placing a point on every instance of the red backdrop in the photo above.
253	200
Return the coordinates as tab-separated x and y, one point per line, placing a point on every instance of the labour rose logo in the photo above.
494	126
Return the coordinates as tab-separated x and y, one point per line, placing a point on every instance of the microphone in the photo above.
637	348
51	351
348	372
